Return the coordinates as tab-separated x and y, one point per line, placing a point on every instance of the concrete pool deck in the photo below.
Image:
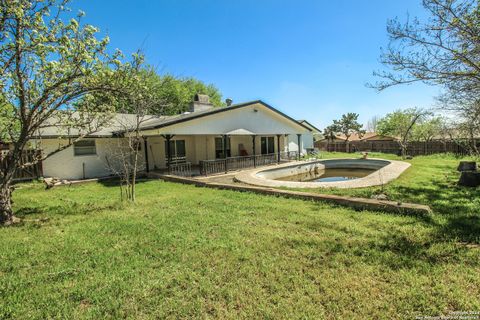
387	170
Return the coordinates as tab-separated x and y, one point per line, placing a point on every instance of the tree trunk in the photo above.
6	211
134	175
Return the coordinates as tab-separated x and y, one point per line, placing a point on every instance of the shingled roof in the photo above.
116	126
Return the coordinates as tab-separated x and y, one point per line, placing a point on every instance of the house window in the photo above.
267	145
219	148
84	148
178	151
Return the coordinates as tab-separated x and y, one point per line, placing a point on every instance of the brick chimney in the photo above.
201	102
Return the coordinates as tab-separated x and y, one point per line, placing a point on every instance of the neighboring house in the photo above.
367	136
245	129
367	140
373	136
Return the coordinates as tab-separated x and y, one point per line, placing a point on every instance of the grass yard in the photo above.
184	252
431	180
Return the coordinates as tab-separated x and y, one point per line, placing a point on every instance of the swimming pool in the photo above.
331	173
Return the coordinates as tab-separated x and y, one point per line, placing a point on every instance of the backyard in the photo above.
183	252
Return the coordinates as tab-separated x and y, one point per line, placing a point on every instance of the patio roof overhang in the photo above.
240	132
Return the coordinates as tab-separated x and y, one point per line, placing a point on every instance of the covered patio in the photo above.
218	140
188	155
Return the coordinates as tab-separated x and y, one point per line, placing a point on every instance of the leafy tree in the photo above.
400	124
178	93
175	93
47	60
348	125
330	132
8	124
428	128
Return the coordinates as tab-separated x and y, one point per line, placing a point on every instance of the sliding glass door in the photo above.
219	148
177	151
267	145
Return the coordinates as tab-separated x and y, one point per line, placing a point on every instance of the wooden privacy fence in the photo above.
414	148
29	173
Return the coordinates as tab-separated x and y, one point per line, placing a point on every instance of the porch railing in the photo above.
238	163
181	169
289	155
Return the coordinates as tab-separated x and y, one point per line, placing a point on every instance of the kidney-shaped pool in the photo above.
331	173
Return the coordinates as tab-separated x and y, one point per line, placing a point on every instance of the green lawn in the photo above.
184	252
431	180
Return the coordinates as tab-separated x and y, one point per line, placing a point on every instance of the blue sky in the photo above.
310	59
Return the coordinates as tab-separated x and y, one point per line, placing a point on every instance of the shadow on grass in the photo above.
459	208
115	182
70	209
462	228
402	252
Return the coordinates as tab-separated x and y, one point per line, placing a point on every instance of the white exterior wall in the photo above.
255	118
306	141
65	165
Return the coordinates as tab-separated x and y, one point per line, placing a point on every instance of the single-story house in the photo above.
204	133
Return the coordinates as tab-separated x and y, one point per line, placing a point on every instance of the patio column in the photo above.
299	141
253	151
168	138
278	148
225	137
145	143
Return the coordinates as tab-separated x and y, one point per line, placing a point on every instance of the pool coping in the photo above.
381	176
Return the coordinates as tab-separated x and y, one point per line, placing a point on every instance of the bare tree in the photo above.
372	124
443	51
140	101
46	64
440	51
